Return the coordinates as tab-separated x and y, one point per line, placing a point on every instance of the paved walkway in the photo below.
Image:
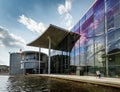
114	82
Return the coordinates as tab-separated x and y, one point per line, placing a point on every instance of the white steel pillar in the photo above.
106	41
49	60
39	60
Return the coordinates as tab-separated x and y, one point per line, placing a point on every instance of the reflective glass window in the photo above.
77	56
90	61
30	56
82	20
77	28
98	59
99	19
90	47
89	13
30	65
72	55
99	43
83	54
113	14
73	29
111	3
114	41
89	27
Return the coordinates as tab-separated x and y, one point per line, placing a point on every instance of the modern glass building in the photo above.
92	44
99	45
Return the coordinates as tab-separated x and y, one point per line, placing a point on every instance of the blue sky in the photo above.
22	21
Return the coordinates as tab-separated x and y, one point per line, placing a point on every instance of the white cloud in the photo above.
64	10
1	44
69	20
61	9
32	25
2	62
68	4
10	40
1	36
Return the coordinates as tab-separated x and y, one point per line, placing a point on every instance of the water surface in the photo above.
45	84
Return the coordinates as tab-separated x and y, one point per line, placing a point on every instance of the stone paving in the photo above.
114	82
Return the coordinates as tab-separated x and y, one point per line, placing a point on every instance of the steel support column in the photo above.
39	59
49	60
106	40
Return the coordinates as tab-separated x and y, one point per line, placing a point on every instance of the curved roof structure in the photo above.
61	39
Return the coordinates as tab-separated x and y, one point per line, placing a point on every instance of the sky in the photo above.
22	21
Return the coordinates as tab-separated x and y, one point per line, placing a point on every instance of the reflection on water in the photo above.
45	84
3	83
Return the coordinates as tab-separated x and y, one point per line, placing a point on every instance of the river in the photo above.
44	84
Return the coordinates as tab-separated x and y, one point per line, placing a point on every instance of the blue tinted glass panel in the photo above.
73	29
77	44
90	47
98	59
114	41
77	28
89	28
90	51
110	23
89	13
95	6
83	54
82	20
77	56
84	26
72	55
83	48
83	38
111	3
99	43
99	19
113	12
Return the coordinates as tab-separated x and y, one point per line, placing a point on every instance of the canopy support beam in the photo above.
49	60
39	58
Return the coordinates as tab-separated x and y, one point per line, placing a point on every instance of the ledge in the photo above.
104	81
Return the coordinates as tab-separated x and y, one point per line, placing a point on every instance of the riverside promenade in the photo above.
105	81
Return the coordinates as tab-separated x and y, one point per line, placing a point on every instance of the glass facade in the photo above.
100	39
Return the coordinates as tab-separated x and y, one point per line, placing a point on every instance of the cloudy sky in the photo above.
22	21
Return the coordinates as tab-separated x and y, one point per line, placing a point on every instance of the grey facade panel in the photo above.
15	64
